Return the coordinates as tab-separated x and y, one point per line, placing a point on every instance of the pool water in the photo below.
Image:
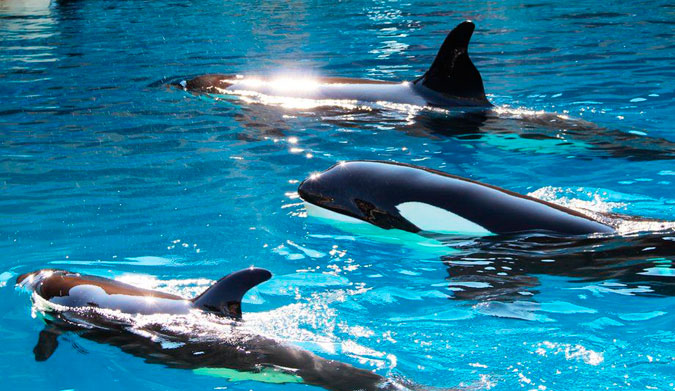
106	169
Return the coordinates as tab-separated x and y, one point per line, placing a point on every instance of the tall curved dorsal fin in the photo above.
452	71
224	296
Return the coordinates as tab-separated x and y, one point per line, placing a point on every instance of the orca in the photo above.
421	200
103	310
76	290
451	81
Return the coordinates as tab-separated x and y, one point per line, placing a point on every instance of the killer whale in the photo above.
102	310
452	80
76	290
421	200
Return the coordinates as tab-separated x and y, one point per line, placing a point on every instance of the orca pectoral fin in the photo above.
47	343
452	71
224	297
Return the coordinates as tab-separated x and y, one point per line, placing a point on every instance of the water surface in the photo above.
104	169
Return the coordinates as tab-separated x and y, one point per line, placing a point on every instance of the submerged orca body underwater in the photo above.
102	310
451	81
420	200
491	268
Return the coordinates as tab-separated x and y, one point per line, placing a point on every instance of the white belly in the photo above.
314	89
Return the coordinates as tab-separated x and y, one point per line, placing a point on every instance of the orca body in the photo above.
420	200
103	310
451	81
75	290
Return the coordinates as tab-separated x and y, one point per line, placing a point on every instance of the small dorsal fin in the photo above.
452	71
224	297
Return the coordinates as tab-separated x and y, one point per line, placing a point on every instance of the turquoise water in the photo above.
104	169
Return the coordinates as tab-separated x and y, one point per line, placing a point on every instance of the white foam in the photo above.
597	207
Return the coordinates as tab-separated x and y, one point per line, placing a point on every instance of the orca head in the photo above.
211	83
32	280
352	191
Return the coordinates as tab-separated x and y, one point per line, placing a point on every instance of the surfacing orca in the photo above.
451	81
103	310
421	200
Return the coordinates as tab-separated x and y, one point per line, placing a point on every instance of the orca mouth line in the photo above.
324	203
315	199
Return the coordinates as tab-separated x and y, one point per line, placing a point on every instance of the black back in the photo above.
371	191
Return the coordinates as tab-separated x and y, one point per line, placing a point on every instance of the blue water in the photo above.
104	169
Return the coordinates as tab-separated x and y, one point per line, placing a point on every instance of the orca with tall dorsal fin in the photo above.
77	290
107	311
451	81
74	290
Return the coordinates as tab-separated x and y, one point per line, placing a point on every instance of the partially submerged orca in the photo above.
451	81
76	290
417	199
102	310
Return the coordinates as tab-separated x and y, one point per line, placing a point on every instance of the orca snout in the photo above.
29	280
339	189
311	190
330	186
327	189
22	277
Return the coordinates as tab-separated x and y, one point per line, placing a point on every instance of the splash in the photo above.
571	352
596	206
596	203
185	287
523	113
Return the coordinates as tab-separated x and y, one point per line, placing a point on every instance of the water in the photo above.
106	170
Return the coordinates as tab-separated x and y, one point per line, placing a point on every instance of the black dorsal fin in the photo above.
224	297
452	71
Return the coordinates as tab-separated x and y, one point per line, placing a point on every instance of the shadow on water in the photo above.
515	130
541	132
498	268
518	130
228	354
